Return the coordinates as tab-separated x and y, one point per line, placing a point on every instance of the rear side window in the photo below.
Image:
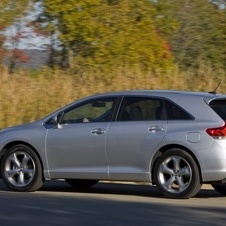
141	109
174	112
219	106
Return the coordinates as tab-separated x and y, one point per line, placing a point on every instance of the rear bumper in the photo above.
213	162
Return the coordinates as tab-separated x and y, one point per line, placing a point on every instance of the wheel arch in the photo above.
166	148
13	143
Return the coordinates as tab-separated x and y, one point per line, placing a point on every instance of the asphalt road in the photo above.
109	205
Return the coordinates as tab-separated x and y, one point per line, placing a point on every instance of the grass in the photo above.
26	96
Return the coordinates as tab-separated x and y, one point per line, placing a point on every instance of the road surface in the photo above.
110	204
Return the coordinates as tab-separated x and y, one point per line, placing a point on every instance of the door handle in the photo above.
98	131
155	129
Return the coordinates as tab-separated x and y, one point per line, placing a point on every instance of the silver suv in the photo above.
175	140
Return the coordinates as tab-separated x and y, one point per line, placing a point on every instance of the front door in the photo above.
76	147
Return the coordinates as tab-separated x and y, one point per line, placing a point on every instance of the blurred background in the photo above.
53	52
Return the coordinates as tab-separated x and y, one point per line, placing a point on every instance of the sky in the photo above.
220	3
29	39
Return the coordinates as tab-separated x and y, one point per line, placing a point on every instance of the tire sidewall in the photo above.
195	183
37	179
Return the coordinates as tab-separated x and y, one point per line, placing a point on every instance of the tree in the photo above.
106	32
10	12
14	54
199	34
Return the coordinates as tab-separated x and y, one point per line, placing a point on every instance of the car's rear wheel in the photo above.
21	169
176	174
79	183
221	188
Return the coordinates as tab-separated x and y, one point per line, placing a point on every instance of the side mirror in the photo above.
58	118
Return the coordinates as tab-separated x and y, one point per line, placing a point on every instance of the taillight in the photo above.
217	133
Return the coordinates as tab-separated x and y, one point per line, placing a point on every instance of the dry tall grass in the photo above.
25	97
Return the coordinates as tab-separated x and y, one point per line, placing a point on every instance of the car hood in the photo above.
22	126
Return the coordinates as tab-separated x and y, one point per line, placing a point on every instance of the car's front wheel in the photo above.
176	174
221	188
80	183
21	169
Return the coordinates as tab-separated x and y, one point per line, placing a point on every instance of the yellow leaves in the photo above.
11	10
102	31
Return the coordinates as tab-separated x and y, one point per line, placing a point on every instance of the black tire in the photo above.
21	169
221	188
176	174
80	183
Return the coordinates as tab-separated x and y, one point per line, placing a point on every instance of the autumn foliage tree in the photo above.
107	32
14	54
10	11
199	33
149	33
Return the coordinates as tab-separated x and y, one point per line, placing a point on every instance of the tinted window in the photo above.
141	108
174	112
98	110
219	106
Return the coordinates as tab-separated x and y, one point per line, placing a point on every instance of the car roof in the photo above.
181	97
167	94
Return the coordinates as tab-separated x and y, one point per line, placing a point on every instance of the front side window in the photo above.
141	109
97	110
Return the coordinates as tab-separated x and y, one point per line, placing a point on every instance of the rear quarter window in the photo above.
174	112
219	106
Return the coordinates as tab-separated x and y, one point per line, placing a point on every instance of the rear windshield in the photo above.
219	106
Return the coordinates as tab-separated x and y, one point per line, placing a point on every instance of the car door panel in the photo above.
76	147
76	151
130	146
132	140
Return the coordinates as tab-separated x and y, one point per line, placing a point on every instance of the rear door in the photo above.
133	138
